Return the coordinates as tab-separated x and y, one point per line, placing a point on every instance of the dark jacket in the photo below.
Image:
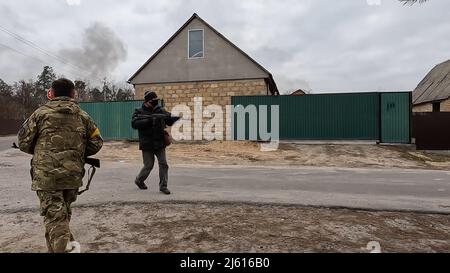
151	128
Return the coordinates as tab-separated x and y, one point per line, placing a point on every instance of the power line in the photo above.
28	56
35	46
46	52
21	53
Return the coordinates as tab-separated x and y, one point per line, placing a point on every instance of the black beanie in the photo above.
150	96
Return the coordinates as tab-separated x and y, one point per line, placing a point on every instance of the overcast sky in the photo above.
322	45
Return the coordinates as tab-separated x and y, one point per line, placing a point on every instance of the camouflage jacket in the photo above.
59	135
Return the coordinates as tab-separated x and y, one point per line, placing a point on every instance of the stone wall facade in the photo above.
428	107
423	108
212	93
445	106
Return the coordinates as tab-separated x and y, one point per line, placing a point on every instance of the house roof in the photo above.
435	86
270	81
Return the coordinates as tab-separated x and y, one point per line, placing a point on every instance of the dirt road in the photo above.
191	222
6	142
191	227
294	155
381	189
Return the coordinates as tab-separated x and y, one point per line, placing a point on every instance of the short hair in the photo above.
63	87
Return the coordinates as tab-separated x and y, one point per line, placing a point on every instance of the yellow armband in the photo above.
96	133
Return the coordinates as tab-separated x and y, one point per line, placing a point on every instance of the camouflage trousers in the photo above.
55	207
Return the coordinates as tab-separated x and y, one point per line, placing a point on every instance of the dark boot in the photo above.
165	191
141	186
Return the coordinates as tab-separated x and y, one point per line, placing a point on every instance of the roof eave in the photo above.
430	101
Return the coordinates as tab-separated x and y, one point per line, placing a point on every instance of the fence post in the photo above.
380	118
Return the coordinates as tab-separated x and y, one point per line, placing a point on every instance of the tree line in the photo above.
20	99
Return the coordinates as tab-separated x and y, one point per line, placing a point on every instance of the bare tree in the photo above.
24	94
82	90
5	89
125	94
43	83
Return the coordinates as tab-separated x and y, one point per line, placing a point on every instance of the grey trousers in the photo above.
149	162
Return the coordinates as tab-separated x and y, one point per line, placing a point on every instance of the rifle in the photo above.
93	162
167	118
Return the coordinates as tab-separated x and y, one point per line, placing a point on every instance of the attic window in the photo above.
196	44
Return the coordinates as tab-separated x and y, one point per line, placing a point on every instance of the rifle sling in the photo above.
91	173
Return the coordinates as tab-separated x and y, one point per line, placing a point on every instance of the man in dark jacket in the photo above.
151	121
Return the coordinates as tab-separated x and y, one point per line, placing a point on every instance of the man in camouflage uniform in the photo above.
60	136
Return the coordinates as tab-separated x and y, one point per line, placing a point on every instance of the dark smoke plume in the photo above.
100	53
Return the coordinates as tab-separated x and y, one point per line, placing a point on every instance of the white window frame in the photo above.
203	45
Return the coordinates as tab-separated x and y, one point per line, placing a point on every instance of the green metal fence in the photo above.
383	117
113	118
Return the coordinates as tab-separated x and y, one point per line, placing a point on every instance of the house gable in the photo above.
435	86
222	60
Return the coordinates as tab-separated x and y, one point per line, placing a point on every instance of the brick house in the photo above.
433	92
198	61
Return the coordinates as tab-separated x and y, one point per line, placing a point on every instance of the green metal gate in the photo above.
113	118
352	116
396	117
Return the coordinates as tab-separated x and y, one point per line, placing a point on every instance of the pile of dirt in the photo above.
249	153
213	227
